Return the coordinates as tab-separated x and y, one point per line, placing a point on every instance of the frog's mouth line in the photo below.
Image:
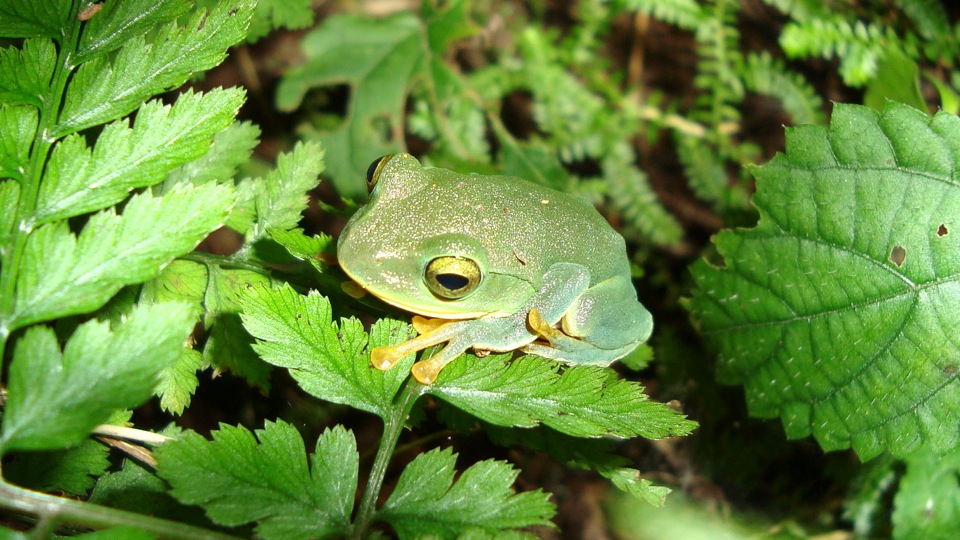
418	309
430	312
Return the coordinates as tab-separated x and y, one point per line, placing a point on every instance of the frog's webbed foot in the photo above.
432	332
426	371
424	325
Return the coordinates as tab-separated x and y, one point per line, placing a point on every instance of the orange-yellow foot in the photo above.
542	327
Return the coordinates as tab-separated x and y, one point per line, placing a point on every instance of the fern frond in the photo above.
571	114
770	77
858	45
801	10
630	194
686	14
928	17
707	173
718	77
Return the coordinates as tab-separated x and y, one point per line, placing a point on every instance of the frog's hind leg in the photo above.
565	348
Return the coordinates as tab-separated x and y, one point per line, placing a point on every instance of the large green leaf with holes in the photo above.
840	311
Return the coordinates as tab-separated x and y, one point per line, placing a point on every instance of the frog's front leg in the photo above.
432	332
458	336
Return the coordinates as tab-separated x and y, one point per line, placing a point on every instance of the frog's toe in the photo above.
541	327
425	372
424	325
384	358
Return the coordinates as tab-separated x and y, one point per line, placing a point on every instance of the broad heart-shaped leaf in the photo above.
927	504
839	311
380	59
427	502
328	360
582	401
238	480
56	397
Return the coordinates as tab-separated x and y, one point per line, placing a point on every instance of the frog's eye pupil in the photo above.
452	278
374	169
452	281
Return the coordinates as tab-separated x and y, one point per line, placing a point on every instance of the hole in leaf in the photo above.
942	230
897	255
383	127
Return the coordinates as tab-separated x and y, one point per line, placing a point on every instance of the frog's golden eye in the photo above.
452	278
373	171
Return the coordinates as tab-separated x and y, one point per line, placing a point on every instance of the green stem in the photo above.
50	510
23	223
391	434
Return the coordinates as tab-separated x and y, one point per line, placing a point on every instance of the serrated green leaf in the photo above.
56	398
581	401
9	198
592	454
138	490
180	281
927	504
231	147
179	381
238	480
34	19
273	14
112	251
228	346
897	80
379	58
78	181
71	471
103	90
629	481
25	73
328	360
308	248
426	500
118	22
18	127
279	199
835	312
185	282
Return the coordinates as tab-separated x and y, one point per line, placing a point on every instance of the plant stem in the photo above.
23	224
392	428
50	510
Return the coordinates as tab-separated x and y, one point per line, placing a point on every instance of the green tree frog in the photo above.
494	263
